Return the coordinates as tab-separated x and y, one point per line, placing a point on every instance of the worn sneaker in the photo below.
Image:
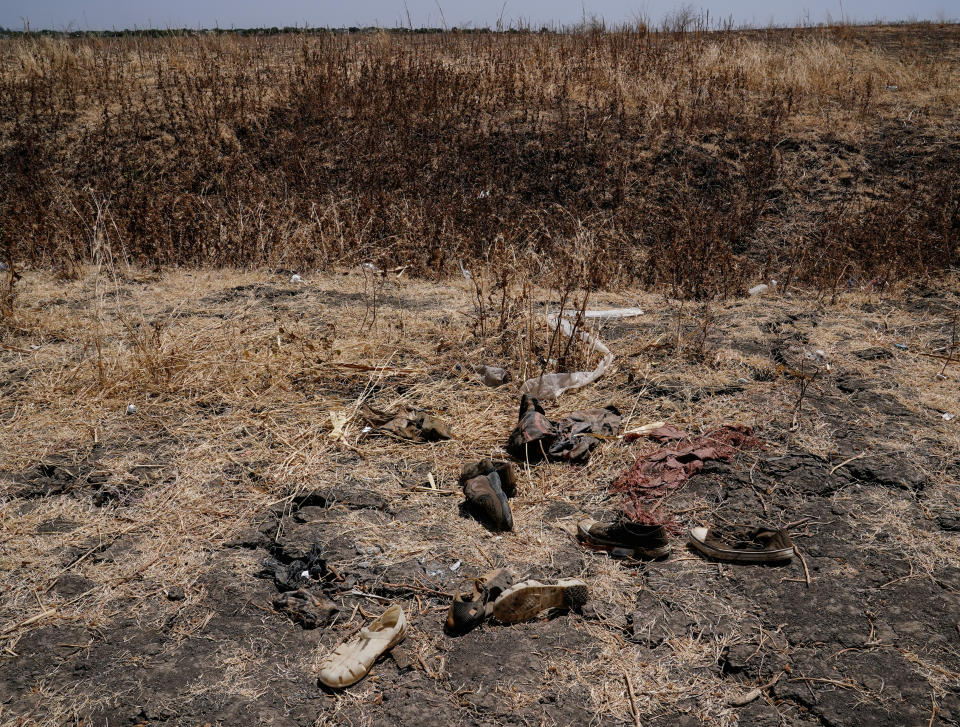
504	470
526	600
624	539
743	544
468	611
486	497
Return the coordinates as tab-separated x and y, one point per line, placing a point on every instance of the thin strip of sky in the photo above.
128	14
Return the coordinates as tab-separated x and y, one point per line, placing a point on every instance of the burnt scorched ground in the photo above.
152	555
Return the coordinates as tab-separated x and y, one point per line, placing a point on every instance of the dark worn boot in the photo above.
534	434
504	470
468	611
486	497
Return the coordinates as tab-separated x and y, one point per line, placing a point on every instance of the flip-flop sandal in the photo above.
350	662
526	600
468	612
743	544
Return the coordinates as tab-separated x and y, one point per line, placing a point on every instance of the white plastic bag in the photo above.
551	386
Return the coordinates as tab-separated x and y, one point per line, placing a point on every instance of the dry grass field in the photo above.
695	160
161	193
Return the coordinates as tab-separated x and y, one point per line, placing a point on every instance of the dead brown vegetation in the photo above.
693	160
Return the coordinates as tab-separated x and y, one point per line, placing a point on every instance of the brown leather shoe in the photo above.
486	497
527	600
504	470
624	538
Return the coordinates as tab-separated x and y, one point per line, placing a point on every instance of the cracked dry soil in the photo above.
865	629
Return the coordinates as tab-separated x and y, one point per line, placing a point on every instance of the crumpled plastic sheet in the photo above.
551	386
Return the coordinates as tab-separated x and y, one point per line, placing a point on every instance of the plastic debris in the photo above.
947	416
762	288
551	386
296	278
456	566
338	420
290	577
131	409
901	346
642	431
494	376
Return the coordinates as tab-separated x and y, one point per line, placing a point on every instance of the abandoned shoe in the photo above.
350	662
624	539
504	470
526	600
534	434
469	611
743	544
486	497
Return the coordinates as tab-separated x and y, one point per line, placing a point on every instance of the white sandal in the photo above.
350	662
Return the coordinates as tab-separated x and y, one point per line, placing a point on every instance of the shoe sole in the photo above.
619	550
525	601
698	535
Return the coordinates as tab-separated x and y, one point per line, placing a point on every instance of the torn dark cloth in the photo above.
408	423
299	572
305	608
537	438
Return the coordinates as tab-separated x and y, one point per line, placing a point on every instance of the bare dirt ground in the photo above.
133	545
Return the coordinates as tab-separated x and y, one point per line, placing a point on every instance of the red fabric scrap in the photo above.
655	475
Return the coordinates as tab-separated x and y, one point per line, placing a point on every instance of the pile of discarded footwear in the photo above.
488	485
494	595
